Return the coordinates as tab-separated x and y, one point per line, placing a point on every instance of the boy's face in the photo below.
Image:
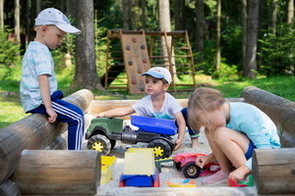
51	36
154	86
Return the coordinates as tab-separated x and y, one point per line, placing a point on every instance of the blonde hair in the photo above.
201	102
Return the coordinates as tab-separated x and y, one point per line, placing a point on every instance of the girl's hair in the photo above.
202	101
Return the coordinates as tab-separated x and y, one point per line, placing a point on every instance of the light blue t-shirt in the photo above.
258	127
36	61
170	107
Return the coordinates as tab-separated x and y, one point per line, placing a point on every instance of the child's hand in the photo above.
201	161
240	173
101	115
178	144
52	115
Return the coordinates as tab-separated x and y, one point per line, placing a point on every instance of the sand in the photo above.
168	169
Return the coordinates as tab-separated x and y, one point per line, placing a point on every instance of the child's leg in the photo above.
194	138
229	147
195	143
74	117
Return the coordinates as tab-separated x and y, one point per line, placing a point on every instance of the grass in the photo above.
11	110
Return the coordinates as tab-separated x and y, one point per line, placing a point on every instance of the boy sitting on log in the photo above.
38	87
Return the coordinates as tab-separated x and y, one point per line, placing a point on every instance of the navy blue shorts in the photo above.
250	150
193	133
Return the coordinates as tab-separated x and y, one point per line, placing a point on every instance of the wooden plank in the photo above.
104	105
33	132
274	170
177	191
115	33
279	109
58	172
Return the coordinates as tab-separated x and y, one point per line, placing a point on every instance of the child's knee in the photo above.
220	134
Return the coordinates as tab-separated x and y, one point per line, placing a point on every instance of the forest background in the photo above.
234	42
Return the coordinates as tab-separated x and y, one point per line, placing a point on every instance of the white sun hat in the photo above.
52	16
160	73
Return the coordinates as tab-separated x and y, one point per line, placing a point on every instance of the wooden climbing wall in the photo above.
131	53
136	60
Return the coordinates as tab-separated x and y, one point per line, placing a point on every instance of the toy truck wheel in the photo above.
100	143
161	148
191	170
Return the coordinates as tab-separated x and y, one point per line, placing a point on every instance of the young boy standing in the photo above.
38	87
157	104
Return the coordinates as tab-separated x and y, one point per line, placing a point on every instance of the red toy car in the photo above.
186	162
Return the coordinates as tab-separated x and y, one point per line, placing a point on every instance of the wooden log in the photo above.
33	132
59	143
274	170
9	188
280	110
98	106
58	172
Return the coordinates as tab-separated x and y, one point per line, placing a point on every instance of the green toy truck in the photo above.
103	133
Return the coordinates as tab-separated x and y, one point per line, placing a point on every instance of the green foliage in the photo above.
67	47
210	58
277	52
100	46
226	72
231	46
9	54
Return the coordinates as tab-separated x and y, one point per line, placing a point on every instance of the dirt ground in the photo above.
168	169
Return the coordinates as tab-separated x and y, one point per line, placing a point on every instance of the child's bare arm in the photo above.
46	98
181	129
118	112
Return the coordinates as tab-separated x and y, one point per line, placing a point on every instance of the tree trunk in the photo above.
165	26
218	35
179	19
130	15
17	21
290	11
244	30
274	12
143	17
85	70
125	15
2	14
38	6
251	46
200	30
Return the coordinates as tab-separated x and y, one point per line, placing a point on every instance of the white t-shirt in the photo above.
36	61
170	107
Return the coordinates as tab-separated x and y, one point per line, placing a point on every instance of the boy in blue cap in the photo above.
157	104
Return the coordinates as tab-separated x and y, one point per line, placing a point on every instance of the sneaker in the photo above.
218	176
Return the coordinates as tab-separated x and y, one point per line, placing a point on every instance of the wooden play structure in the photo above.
29	165
131	53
